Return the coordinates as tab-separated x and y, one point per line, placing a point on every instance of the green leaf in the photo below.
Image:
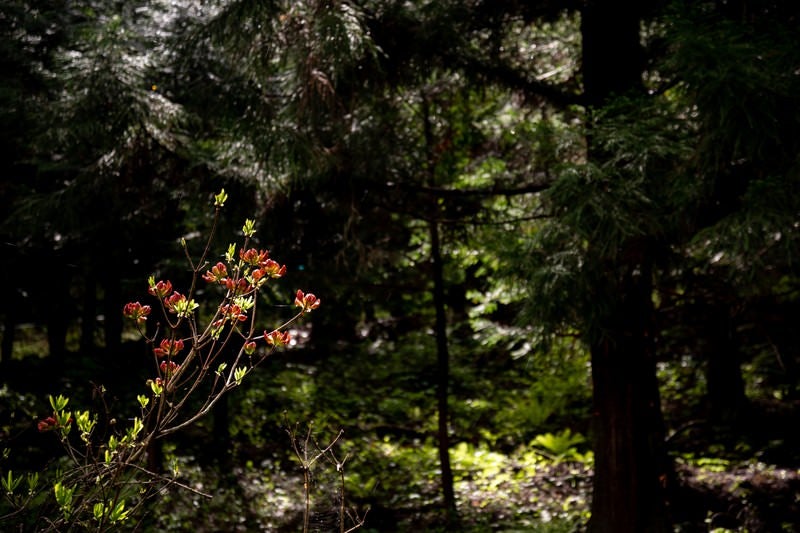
231	253
143	400
58	403
239	374
249	228
220	199
86	424
33	482
64	498
118	514
10	483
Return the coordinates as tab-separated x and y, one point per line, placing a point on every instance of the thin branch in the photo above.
495	190
511	78
170	481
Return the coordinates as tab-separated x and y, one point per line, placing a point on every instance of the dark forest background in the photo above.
556	244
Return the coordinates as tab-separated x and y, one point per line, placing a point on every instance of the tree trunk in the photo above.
440	332
88	312
58	315
10	301
631	467
221	432
630	463
112	304
611	52
726	393
443	377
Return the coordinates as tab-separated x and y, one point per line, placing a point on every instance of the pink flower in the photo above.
250	348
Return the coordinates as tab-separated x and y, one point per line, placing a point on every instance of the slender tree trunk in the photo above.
57	312
630	463
155	456
221	431
11	300
726	392
112	305
440	331
88	312
9	331
443	376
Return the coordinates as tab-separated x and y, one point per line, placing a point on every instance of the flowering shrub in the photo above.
106	478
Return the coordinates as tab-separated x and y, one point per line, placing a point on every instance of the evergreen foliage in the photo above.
571	186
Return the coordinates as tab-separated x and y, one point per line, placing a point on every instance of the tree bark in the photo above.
88	312
725	384
112	304
57	304
440	332
10	300
630	463
221	432
631	467
443	377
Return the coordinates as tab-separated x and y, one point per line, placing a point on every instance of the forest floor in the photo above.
752	497
745	479
708	495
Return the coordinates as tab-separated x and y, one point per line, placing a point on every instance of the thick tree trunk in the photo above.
630	463
611	52
631	468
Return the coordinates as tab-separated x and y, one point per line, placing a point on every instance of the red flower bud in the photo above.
47	424
277	338
169	348
236	287
273	269
168	368
175	301
217	273
136	311
232	312
161	289
253	257
306	302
